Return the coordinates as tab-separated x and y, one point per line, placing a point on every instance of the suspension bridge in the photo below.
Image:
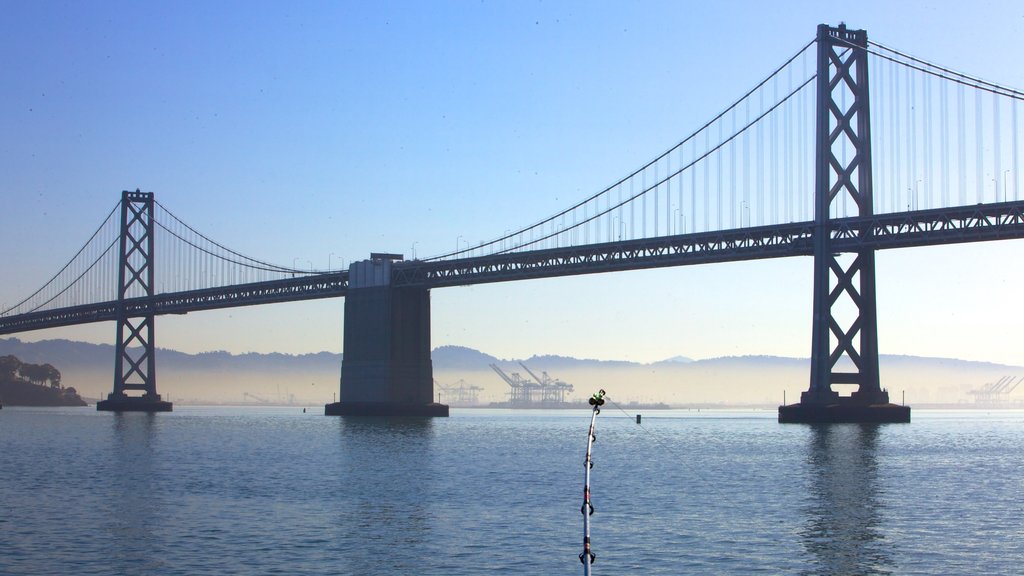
813	161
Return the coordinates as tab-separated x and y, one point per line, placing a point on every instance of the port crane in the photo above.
523	391
994	392
551	390
460	392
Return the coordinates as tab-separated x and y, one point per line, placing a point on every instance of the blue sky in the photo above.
321	131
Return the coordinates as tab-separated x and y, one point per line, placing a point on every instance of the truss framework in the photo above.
1003	221
135	361
843	171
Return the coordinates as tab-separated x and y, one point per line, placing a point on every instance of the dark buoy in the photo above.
637	418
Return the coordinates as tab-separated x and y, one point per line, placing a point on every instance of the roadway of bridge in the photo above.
983	222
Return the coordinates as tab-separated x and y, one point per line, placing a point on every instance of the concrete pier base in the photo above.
124	403
385	409
386	368
843	413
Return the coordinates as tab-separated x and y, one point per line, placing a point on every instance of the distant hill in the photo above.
680	381
460	358
677	360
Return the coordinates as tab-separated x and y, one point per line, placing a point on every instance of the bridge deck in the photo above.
983	222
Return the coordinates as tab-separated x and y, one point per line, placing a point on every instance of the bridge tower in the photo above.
844	348
386	368
135	361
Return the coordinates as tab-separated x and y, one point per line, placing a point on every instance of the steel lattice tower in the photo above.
135	359
844	348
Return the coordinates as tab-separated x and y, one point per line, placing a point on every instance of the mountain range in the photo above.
220	377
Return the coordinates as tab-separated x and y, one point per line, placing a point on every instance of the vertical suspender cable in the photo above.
643	203
944	137
718	182
1013	133
773	155
668	195
693	188
680	193
632	211
997	171
707	181
654	214
760	162
894	132
926	113
912	137
732	174
961	115
745	204
979	192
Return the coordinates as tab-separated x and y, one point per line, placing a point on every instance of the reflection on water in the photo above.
386	467
135	505
226	490
842	532
399	426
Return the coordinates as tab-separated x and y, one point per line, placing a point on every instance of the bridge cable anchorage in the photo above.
587	557
498	245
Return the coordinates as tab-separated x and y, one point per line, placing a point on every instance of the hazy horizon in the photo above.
222	377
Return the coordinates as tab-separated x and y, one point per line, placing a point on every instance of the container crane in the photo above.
460	393
551	390
522	391
995	392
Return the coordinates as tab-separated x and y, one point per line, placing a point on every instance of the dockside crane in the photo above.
522	391
551	390
466	393
460	393
994	392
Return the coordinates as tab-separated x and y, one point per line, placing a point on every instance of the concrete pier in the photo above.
843	412
125	403
386	368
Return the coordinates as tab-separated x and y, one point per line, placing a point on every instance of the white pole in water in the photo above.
587	557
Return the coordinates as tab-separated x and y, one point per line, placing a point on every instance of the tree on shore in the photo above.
39	374
9	366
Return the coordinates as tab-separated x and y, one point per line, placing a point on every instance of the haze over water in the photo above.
273	490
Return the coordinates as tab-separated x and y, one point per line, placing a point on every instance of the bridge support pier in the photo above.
844	348
135	359
386	368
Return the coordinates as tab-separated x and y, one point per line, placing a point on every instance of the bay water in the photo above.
254	490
